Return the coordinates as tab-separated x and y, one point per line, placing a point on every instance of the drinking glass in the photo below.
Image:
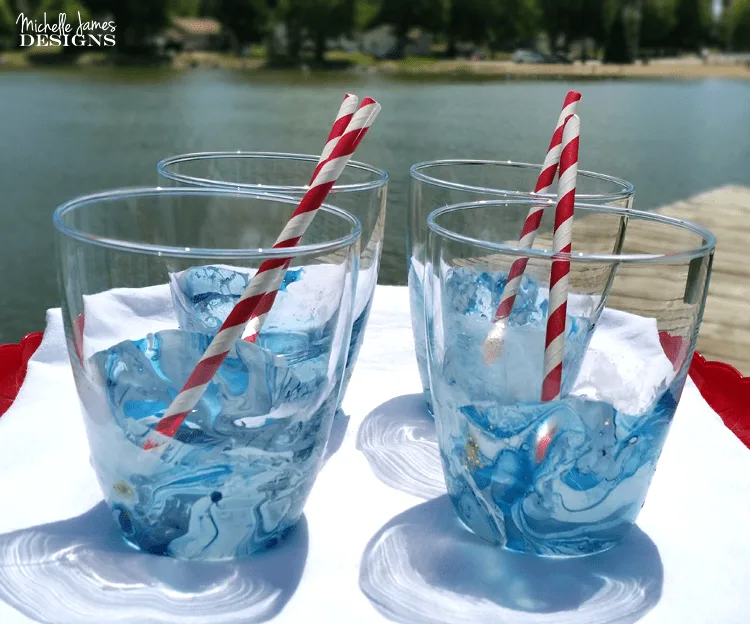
568	476
360	190
148	276
444	182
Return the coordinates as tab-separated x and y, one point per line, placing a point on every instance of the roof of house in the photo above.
197	25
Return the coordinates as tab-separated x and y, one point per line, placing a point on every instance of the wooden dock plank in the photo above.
660	289
725	332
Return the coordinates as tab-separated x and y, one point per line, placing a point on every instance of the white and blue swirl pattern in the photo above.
234	478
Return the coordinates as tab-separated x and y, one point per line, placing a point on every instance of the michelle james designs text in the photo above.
57	31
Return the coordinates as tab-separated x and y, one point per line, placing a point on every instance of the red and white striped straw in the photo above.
343	117
560	272
340	124
494	342
253	306
359	123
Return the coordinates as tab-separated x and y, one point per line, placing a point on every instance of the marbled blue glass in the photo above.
361	190
235	477
567	477
439	183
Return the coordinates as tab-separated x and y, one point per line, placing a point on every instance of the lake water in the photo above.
66	133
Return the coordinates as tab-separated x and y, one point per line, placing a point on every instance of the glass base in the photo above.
546	555
263	547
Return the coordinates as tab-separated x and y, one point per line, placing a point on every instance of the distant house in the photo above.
420	43
279	40
344	43
381	42
194	33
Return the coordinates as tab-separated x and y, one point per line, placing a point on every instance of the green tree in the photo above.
658	20
7	19
579	19
75	12
404	15
694	19
736	26
513	22
467	20
71	8
553	20
27	7
365	13
208	8
500	24
617	48
592	20
246	20
318	20
136	20
184	8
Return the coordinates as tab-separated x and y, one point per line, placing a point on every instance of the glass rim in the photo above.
416	173
709	240
162	168
200	252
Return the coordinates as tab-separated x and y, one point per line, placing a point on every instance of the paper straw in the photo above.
340	124
343	117
560	271
494	342
253	306
355	131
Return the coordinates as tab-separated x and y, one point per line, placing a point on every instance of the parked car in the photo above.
528	56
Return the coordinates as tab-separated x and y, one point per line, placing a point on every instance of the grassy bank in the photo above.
507	69
416	68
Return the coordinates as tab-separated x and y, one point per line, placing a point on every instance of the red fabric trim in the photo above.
722	385
726	391
13	363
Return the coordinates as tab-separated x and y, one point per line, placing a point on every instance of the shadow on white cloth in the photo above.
399	440
80	571
425	567
337	435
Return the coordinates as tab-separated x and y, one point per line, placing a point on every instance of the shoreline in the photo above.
410	68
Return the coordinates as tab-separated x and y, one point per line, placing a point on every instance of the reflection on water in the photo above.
90	576
424	567
65	133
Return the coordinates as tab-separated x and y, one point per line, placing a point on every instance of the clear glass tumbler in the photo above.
361	190
148	276
563	477
445	182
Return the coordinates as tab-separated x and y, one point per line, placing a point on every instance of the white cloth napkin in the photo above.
379	539
625	364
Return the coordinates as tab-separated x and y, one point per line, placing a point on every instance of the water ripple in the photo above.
399	440
90	576
423	567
